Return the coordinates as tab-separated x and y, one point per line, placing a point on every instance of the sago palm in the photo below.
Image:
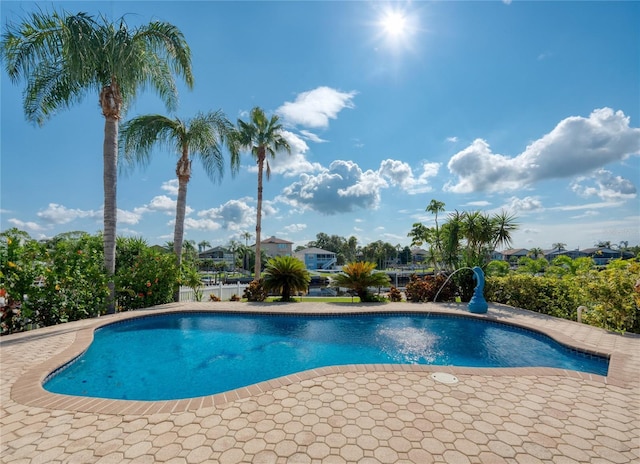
63	57
200	138
359	276
286	274
262	136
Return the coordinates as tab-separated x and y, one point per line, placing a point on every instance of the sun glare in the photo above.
394	23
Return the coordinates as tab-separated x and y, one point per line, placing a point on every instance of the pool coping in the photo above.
28	388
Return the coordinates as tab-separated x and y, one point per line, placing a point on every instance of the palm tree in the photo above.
359	276
436	207
200	137
535	253
63	57
247	236
286	274
558	246
262	136
202	246
234	247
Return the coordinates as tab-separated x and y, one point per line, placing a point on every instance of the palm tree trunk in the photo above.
110	213
261	156
183	171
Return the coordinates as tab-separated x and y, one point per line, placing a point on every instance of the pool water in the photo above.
185	355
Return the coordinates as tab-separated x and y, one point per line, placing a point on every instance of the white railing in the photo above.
222	291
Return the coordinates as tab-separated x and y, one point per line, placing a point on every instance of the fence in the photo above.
222	291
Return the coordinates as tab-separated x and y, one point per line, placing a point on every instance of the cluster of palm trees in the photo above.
466	239
63	57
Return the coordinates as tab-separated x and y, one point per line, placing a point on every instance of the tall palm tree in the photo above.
262	136
63	57
436	207
200	137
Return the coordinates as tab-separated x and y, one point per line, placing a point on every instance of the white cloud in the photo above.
26	225
163	204
295	228
577	145
479	203
58	214
315	107
400	174
170	186
607	186
128	217
200	224
452	139
523	205
343	187
233	215
311	136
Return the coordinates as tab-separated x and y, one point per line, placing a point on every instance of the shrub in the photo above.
425	289
235	297
395	295
214	297
255	291
144	277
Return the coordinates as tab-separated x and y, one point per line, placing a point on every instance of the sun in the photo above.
394	23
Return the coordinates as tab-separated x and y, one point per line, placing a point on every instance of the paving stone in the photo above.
342	415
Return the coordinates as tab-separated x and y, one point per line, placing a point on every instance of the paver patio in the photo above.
363	414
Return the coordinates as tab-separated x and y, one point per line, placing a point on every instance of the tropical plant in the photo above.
436	207
144	276
262	136
190	277
497	268
200	138
255	291
63	57
429	287
286	274
359	276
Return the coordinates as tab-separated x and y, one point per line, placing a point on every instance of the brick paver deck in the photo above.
360	414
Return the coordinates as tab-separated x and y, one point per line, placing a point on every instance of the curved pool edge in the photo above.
28	388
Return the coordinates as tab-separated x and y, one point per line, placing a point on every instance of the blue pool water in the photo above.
182	355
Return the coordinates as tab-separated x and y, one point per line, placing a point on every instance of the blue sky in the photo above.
529	107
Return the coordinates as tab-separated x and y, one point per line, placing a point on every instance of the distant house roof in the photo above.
314	251
515	252
274	239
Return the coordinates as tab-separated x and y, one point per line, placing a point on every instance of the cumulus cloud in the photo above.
28	225
576	146
315	107
607	186
233	215
59	214
341	188
400	174
200	224
311	136
163	204
294	163
523	205
170	186
128	217
295	228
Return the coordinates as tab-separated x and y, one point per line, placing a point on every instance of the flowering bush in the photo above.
144	276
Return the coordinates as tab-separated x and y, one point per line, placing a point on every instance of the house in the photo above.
218	255
513	254
418	254
317	258
602	255
276	247
550	255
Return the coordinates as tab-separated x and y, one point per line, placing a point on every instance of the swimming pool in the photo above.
184	355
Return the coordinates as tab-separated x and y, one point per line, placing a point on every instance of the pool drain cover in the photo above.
443	377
